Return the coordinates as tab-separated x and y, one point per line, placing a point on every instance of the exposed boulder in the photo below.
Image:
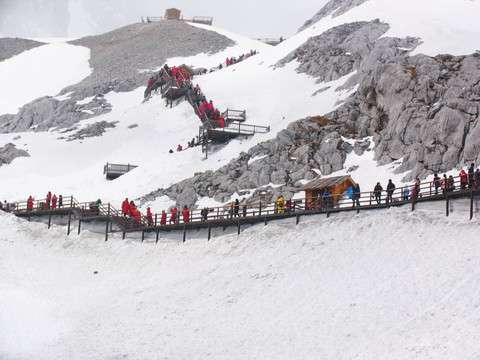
9	152
15	46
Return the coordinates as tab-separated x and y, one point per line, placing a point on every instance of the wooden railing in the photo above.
117	169
256	211
235	115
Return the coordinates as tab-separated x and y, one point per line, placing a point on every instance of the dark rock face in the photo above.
301	151
9	152
122	60
334	7
421	109
10	47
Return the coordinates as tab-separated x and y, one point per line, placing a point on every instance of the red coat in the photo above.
186	215
221	121
210	105
131	210
54	201
30	203
173	217
149	216
463	176
125	206
163	220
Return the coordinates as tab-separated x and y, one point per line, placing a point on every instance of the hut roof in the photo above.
323	183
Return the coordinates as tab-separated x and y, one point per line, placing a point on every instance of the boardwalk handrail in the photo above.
235	115
230	212
118	168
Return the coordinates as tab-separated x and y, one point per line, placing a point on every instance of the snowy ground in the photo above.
389	284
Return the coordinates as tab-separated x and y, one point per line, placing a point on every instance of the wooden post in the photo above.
106	229
156	238
413	203
79	225
184	233
209	230
471	204
447	210
143	235
328	213
155	220
69	221
49	218
123	236
266	220
260	209
297	218
238	232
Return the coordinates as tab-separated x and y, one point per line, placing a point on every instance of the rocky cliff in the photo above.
122	60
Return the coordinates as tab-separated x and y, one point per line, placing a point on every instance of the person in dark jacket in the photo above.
390	190
377	191
436	182
471	176
356	194
236	208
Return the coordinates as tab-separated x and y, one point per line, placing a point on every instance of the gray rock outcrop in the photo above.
9	47
9	152
301	151
122	60
334	8
421	109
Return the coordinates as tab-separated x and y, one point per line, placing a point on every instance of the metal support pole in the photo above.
260	209
328	214
297	218
79	225
143	235
471	204
238	224
49	218
184	233
106	229
123	236
266	220
209	230
447	202
156	238
69	221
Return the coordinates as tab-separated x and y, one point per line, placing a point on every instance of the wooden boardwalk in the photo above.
115	222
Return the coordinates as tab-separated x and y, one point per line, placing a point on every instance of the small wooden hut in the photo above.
335	185
172	14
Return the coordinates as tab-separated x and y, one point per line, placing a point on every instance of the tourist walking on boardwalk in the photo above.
125	207
186	214
236	207
436	182
356	194
390	190
30	203
54	201
377	191
48	199
163	219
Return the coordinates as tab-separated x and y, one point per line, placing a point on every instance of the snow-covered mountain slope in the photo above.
382	284
389	284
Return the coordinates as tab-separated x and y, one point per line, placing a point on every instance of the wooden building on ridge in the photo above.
172	14
335	185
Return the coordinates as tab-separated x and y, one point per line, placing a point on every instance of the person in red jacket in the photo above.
131	210
125	207
138	216
163	219
30	203
221	121
149	217
48	199
54	201
179	147
173	217
463	179
186	214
